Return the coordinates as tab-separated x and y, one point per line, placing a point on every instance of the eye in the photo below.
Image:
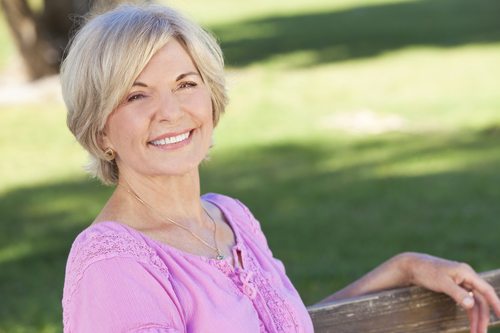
186	84
135	97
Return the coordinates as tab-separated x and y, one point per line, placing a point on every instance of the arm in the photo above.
390	274
458	280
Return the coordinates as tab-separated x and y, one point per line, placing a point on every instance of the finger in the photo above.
459	294
486	290
484	313
472	320
468	277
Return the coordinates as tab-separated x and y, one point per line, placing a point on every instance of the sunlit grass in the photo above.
429	89
216	11
36	146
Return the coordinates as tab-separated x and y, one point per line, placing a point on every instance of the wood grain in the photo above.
405	310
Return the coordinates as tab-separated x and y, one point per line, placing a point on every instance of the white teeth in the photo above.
172	139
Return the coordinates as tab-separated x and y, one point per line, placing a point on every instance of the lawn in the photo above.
356	130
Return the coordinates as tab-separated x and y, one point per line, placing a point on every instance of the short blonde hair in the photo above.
107	55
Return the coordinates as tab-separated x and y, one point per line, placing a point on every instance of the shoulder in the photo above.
106	241
110	267
245	226
238	214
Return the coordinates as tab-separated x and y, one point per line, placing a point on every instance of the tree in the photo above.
41	36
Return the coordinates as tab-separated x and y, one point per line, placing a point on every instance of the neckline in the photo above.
228	220
226	214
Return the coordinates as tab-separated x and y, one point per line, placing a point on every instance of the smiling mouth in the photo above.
171	140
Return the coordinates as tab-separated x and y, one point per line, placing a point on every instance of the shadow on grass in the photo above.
328	224
361	32
38	226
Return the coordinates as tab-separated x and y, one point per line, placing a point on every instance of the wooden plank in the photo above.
402	310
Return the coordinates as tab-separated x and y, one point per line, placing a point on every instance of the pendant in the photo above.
219	257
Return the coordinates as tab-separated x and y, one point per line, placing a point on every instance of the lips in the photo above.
170	139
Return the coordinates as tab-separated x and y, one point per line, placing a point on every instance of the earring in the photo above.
110	154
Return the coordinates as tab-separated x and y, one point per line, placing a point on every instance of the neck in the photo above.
175	197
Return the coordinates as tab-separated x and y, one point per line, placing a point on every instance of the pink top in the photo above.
119	280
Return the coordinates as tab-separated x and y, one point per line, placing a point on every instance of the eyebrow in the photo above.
180	77
137	83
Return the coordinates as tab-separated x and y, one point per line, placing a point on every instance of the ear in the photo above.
104	141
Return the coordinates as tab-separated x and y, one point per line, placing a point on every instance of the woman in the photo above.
144	88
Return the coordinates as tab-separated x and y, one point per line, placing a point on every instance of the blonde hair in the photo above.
107	55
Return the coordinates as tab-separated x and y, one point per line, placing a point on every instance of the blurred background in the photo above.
357	129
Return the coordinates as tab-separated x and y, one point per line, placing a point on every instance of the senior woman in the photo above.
144	88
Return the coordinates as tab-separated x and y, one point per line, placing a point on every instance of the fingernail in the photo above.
468	302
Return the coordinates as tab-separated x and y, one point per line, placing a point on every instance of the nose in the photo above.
169	108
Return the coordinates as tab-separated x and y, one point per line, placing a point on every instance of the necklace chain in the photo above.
215	248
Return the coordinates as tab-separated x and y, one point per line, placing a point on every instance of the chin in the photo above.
180	170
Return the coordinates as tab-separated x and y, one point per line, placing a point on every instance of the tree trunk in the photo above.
42	38
38	53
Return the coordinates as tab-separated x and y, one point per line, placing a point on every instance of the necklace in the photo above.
215	248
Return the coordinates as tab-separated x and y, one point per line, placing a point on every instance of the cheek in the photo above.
200	104
205	105
122	130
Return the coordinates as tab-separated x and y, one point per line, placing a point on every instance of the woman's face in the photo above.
163	127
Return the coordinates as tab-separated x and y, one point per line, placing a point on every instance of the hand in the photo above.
457	280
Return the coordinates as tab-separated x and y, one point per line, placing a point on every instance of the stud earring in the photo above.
110	154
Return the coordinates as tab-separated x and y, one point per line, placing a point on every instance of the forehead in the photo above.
172	58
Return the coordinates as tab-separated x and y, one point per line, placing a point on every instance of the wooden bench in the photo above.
406	310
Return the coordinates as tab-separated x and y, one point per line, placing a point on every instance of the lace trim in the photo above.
252	282
242	285
100	246
282	314
227	270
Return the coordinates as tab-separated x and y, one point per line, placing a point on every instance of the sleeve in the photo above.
123	295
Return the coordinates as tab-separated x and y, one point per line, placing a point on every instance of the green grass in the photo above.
333	203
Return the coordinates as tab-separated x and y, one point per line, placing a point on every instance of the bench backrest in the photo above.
406	310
